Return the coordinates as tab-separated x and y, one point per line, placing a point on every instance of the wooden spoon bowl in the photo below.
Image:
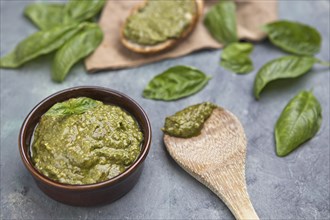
216	158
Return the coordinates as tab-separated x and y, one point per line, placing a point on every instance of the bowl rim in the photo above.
84	187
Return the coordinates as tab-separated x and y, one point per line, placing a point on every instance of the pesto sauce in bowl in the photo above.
83	141
159	21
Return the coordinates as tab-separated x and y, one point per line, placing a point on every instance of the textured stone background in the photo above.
295	187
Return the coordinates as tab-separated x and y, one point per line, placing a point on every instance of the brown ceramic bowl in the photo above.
91	194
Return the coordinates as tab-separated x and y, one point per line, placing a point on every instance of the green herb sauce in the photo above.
83	141
189	121
159	21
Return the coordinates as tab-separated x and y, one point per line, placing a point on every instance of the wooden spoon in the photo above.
216	158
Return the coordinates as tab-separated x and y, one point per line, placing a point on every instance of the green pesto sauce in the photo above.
83	141
159	21
189	121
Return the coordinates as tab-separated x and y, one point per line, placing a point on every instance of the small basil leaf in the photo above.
37	44
72	106
75	49
299	122
175	83
281	68
220	20
78	11
235	57
294	37
45	16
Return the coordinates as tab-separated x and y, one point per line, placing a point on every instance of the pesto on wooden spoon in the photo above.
216	158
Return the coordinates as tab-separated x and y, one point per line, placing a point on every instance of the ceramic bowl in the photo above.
90	194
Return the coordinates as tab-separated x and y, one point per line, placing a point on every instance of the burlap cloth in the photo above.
111	54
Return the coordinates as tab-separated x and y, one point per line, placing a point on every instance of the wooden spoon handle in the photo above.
240	205
229	185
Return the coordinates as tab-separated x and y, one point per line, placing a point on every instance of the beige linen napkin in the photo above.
111	54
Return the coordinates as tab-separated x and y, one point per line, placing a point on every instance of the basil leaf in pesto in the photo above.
45	16
235	57
175	83
294	37
299	122
282	68
37	44
78	47
220	20
77	11
75	106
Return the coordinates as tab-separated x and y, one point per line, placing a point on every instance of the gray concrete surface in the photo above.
295	187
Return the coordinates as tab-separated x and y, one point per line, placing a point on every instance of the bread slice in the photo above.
144	49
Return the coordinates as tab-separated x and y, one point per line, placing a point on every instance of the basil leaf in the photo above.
220	20
324	63
175	83
282	68
294	37
45	16
299	122
235	57
78	11
37	44
75	49
72	106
